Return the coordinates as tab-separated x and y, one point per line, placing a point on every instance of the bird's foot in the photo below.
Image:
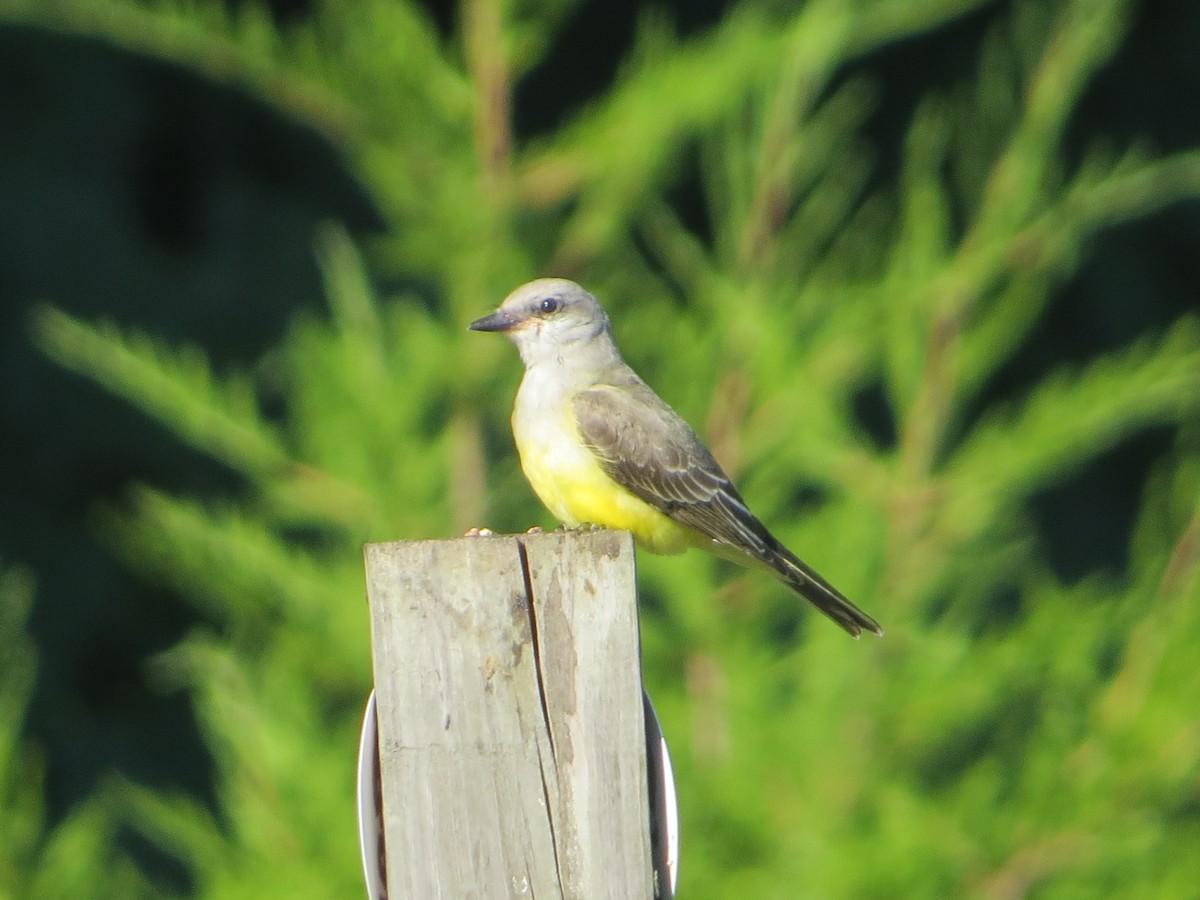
536	529
479	532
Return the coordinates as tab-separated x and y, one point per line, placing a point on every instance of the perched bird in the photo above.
600	447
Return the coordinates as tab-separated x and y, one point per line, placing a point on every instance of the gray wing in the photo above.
647	449
644	446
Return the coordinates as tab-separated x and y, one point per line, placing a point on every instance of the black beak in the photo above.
497	321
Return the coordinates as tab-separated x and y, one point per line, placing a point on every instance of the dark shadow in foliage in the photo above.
139	192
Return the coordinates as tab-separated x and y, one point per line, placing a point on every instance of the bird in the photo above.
600	448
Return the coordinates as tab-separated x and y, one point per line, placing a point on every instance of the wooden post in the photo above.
511	732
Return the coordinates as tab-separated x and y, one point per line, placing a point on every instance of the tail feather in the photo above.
820	593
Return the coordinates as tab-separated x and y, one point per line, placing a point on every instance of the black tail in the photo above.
820	593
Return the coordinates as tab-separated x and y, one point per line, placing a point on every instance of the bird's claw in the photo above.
536	529
479	532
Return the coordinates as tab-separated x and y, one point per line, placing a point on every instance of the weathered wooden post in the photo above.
511	733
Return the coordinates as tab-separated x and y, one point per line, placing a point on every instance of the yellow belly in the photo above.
568	479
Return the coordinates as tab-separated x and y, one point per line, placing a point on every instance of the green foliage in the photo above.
1045	748
36	859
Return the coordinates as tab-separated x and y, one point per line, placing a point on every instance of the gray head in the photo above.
551	320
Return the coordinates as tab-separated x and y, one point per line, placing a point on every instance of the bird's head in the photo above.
548	318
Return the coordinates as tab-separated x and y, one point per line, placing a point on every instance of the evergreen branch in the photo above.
919	253
660	99
237	712
233	563
78	850
1084	38
1001	325
1067	420
664	98
484	37
881	22
1183	564
269	737
37	860
1013	453
1033	257
230	560
208	38
349	292
270	835
678	250
16	599
21	816
372	75
958	358
1037	256
179	389
801	152
667	100
337	70
781	158
816	244
1128	191
176	823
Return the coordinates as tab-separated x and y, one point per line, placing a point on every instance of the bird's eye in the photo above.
549	305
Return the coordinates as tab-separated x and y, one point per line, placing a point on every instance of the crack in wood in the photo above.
535	640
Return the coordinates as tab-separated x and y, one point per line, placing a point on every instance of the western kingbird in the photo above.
600	447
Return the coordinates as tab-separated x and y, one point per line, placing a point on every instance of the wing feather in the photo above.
644	446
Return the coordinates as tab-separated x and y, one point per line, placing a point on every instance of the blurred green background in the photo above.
923	273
